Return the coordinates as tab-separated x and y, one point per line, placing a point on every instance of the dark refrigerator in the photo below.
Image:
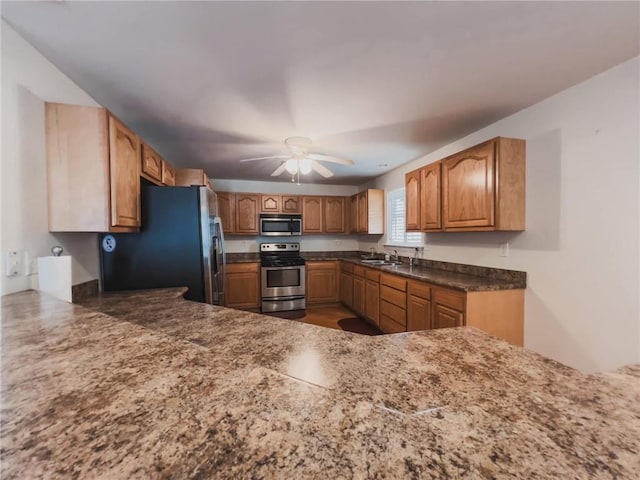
180	244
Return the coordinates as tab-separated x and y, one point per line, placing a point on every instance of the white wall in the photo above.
28	80
308	243
581	246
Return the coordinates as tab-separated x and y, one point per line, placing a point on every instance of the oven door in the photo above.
280	282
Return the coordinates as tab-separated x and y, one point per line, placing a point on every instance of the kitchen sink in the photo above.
379	262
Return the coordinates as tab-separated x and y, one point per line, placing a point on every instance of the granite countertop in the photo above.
468	278
148	385
443	278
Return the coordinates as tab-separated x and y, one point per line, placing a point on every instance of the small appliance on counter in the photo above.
282	277
280	225
180	244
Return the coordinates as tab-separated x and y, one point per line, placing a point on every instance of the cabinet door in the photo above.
124	165
468	188
227	211
372	302
334	221
290	204
363	213
243	285
353	214
322	282
412	200
312	214
418	313
247	208
358	295
346	289
270	203
445	317
151	163
430	198
168	174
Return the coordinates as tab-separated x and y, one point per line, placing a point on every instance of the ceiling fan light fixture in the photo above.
305	166
291	166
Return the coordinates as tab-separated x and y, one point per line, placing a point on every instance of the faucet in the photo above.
395	257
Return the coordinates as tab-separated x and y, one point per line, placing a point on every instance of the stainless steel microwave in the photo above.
278	225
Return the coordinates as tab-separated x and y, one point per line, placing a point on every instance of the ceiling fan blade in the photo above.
264	158
329	158
321	169
278	170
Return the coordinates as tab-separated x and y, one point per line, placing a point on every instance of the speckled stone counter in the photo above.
468	278
455	280
148	385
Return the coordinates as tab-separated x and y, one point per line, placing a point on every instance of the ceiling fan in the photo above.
300	160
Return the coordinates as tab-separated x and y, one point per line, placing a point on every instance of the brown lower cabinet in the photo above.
409	305
242	285
322	282
358	295
372	297
346	289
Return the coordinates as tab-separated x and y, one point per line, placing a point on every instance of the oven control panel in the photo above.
279	247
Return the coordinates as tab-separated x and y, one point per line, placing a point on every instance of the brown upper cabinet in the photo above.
334	215
151	164
423	199
290	204
276	203
479	189
247	210
483	188
227	211
168	174
270	203
186	177
430	198
367	212
312	215
412	200
93	171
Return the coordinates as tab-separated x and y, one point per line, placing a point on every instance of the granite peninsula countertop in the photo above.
148	385
468	278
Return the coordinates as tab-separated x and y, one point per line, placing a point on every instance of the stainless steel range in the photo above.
283	277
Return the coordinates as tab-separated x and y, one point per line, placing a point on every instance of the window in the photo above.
396	225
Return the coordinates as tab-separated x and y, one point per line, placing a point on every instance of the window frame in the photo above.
406	239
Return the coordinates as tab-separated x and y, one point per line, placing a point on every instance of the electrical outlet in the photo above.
12	264
504	249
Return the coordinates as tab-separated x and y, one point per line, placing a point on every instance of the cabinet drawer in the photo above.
393	296
395	313
389	326
243	267
346	267
373	275
450	298
358	270
394	281
419	289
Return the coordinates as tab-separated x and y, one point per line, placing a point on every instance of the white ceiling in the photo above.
208	84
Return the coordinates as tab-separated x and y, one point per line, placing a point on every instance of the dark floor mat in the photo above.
289	315
357	325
